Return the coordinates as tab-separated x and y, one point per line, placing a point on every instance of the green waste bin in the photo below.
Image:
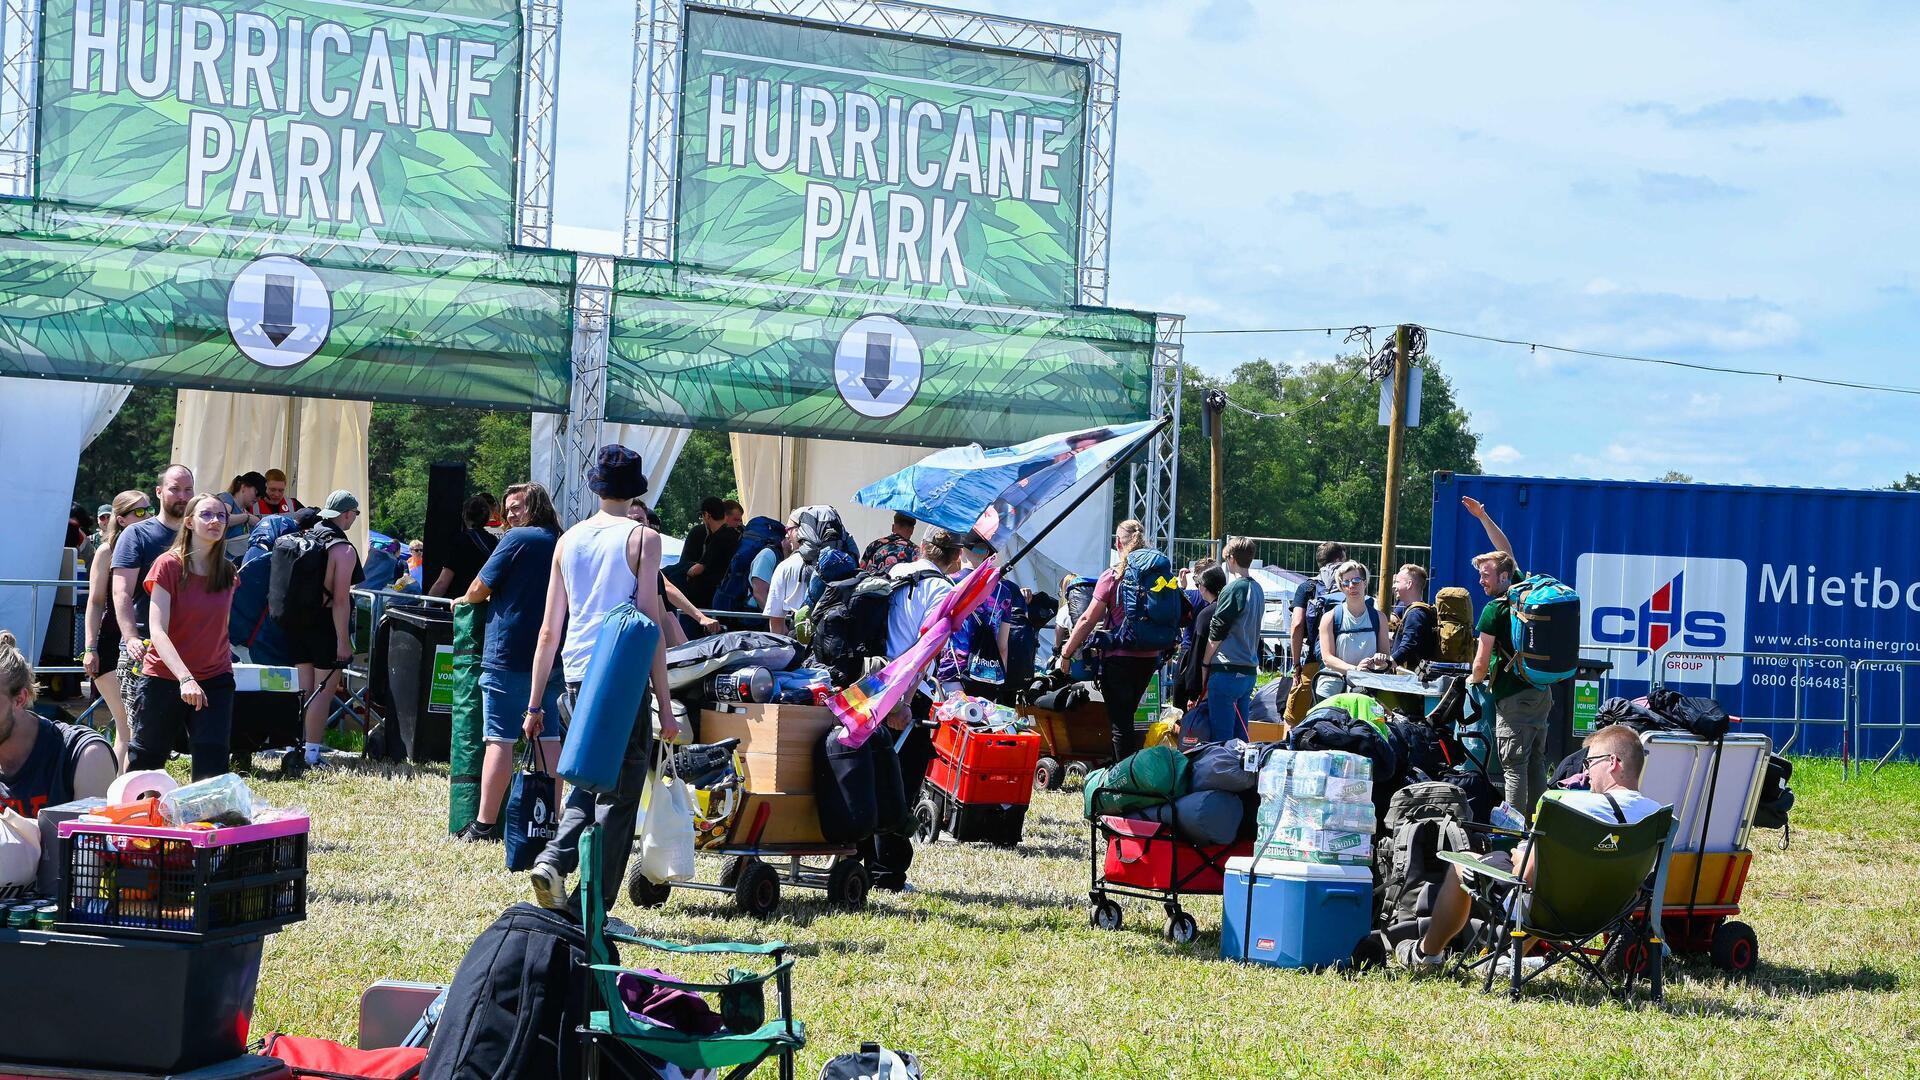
468	749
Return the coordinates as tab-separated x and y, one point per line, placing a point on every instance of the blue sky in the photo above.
1728	184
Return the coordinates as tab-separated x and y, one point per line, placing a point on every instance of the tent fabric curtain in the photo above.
221	435
659	449
43	427
774	474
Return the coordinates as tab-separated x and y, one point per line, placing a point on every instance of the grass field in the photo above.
991	969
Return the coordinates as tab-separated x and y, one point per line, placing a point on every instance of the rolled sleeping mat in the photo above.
613	696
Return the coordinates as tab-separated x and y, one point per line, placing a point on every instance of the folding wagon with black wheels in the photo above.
1131	858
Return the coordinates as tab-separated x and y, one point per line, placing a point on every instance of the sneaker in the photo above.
478	832
1410	956
549	886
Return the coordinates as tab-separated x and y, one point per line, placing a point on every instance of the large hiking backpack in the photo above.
1453	612
735	591
249	623
1545	615
849	621
297	579
1422	820
515	1001
820	528
1076	597
1150	603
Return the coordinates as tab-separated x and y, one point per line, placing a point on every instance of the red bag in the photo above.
324	1059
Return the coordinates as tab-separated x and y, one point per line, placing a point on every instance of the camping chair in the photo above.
1591	880
609	1019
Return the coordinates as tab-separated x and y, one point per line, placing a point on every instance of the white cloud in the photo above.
1502	455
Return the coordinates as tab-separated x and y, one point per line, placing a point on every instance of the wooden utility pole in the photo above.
1216	404
1396	444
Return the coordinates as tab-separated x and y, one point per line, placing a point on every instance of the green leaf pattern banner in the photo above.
858	162
374	122
686	351
490	330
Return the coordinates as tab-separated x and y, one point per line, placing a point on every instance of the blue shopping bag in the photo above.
532	807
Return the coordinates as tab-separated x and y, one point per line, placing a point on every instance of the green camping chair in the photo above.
1590	881
608	1019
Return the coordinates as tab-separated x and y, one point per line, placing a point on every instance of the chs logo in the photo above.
1661	602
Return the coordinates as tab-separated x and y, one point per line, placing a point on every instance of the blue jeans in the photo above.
503	703
1229	700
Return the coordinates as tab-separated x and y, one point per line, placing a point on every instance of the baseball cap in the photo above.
105	509
339	502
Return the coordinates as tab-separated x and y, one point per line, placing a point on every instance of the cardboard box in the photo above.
786	730
789	772
790	819
1261	731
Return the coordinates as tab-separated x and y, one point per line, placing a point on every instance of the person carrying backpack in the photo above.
1311	601
1520	709
1415	631
1140	604
1351	635
1232	645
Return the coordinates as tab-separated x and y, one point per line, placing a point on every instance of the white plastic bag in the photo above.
19	853
666	833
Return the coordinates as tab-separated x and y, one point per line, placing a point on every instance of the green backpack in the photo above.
1154	775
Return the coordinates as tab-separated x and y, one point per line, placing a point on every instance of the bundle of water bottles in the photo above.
980	714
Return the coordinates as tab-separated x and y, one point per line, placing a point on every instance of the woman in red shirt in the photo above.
189	669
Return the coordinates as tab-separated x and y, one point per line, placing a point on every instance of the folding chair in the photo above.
609	1020
1592	880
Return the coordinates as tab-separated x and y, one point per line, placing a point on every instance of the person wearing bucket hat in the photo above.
323	644
600	563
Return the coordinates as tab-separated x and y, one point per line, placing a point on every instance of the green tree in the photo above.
1910	483
132	450
405	440
1674	476
1314	469
705	468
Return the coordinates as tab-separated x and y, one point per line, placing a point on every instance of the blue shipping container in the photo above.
1727	585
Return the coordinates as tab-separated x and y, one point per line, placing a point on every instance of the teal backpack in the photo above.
1545	614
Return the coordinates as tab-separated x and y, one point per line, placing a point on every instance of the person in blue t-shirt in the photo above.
513	584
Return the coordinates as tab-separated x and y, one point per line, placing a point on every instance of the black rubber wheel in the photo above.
1181	929
1076	774
293	764
848	884
757	892
1048	775
926	820
730	872
1627	953
645	893
1736	949
1008	834
1106	915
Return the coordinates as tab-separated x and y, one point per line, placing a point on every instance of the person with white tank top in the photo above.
1350	634
599	564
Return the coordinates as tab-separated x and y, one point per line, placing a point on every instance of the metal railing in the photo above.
1798	681
1862	726
34	634
1290	554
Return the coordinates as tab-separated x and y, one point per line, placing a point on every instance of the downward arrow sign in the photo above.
276	309
879	363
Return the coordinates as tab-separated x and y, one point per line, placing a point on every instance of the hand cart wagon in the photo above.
1133	858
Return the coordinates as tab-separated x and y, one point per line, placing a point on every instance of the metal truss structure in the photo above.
539	121
19	92
578	436
653	137
1153	487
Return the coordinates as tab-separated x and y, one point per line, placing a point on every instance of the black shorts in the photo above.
315	644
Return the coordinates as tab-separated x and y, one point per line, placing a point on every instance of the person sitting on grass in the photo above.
1614	761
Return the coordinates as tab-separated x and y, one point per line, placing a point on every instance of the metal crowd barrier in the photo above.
1861	725
1799	662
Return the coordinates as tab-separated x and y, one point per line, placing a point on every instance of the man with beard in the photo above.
133	555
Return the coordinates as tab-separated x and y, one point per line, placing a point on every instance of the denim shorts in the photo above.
503	702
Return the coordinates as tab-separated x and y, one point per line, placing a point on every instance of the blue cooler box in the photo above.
1301	914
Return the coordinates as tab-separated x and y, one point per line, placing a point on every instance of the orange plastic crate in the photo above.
977	767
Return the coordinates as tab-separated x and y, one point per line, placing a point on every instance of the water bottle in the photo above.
746	685
222	800
1506	817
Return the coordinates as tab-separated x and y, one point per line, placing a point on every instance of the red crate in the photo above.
978	767
1146	855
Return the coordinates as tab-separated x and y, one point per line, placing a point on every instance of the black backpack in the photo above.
1326	596
297	578
515	1001
1422	821
849	621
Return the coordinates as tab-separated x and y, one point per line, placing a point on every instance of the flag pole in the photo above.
1112	467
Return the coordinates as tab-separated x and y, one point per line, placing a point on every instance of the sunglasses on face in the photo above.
1352	581
140	512
1593	762
211	515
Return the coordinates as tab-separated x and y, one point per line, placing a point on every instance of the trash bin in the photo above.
1563	729
420	679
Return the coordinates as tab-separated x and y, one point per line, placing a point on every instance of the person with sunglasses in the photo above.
189	669
134	552
102	629
1615	759
1350	634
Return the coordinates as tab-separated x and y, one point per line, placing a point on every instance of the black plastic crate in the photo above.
162	883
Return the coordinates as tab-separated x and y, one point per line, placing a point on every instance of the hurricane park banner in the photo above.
295	196
875	236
